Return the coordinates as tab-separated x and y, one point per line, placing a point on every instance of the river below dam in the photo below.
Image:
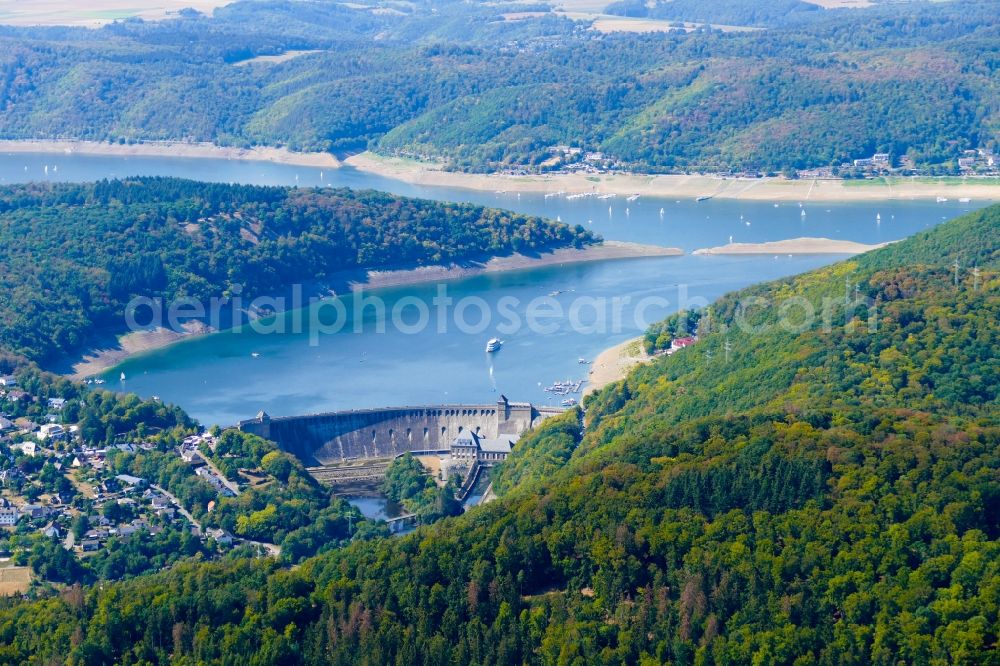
582	308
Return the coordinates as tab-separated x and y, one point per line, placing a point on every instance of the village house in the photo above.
159	502
205	473
27	448
51	431
25	426
126	530
9	474
34	511
99	534
681	343
9	516
133	481
220	535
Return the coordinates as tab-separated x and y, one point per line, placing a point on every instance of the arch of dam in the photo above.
336	437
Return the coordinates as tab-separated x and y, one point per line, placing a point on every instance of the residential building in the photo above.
34	511
159	502
51	431
681	343
220	535
130	480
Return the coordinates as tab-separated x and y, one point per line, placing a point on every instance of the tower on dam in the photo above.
334	437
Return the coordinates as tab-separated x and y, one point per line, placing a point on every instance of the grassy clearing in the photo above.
274	59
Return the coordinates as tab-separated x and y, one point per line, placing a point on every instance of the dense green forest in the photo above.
408	483
827	493
74	255
459	82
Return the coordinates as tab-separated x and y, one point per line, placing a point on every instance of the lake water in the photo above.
231	375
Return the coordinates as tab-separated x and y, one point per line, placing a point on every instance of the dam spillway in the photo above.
336	437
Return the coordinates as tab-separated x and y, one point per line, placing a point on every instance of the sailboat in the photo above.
123	377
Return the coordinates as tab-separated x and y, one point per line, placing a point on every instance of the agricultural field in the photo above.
14	580
92	14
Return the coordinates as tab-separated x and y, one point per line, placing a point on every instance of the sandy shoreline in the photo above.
109	350
793	246
615	363
680	186
173	149
608	250
432	175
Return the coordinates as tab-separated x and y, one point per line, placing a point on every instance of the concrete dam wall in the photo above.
334	437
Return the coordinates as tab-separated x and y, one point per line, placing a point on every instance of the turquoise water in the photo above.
231	375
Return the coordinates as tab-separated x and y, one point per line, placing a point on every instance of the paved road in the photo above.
222	477
177	503
272	549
